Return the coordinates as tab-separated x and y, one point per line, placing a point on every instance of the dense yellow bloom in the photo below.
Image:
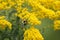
18	9
51	14
47	3
24	15
10	3
41	11
18	5
57	24
33	2
2	17
56	5
5	24
30	17
44	12
33	34
19	2
1	6
34	20
58	14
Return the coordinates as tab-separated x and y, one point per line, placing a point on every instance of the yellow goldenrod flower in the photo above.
58	14
57	25
33	20
5	23
1	7
51	14
47	3
24	15
19	2
33	34
2	17
56	5
18	9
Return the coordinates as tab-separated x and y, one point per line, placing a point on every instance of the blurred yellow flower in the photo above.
56	5
33	20
2	17
5	24
58	13
57	25
24	15
33	34
51	14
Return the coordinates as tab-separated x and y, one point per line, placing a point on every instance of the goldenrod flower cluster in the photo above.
57	24
30	17
2	17
33	34
51	14
7	4
43	8
56	5
40	9
33	20
58	14
4	23
24	15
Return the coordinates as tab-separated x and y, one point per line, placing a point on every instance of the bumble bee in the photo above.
24	22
